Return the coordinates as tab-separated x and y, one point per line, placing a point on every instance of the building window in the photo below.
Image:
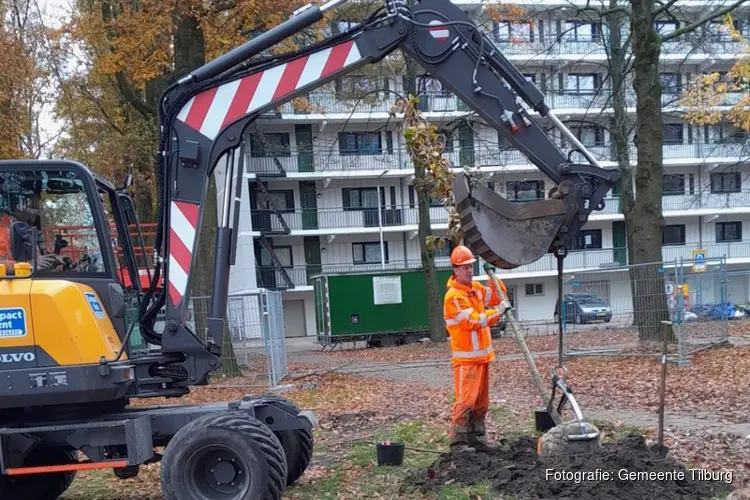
728	231
583	83
360	143
505	31
589	135
283	253
579	31
359	198
674	184
524	190
533	289
282	200
587	239
368	253
269	144
665	27
444	250
672	133
434	202
673	235
726	182
670	82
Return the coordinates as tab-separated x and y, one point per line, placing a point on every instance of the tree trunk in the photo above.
646	222
434	299
427	255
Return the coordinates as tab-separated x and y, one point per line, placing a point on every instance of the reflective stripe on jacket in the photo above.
468	315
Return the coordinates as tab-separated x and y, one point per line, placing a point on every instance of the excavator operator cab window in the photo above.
56	202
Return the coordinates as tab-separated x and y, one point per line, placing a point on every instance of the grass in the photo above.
355	474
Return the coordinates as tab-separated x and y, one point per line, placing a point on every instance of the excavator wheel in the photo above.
298	444
47	486
555	442
227	454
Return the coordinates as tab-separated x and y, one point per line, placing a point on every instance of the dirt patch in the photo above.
616	471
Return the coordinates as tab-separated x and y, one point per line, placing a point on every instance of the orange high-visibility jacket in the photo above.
5	253
468	317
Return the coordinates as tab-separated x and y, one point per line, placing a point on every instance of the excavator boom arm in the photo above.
205	114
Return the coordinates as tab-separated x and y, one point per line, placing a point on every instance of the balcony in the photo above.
706	200
482	155
576	261
331	220
406	217
443	101
566	45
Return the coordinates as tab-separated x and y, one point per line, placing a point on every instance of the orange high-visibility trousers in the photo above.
472	386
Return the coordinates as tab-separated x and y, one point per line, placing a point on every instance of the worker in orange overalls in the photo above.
469	309
5	250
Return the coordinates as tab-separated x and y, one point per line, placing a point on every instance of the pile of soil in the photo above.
624	470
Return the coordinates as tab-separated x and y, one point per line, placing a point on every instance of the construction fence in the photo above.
254	344
631	302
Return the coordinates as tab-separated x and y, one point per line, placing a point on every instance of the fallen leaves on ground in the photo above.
348	408
538	338
428	351
715	385
711	451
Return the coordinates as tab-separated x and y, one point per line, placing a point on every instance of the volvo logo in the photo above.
17	357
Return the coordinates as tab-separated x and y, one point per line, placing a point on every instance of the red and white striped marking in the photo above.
213	109
183	226
439	30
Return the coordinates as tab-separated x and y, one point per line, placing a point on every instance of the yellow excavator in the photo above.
68	376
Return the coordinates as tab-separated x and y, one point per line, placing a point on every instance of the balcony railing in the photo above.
562	45
577	260
311	219
332	160
322	102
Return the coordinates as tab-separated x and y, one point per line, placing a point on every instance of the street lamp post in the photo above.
380	221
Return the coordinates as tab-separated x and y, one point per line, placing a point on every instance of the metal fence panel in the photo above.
255	328
607	312
703	309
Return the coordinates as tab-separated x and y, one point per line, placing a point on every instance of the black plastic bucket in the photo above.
390	453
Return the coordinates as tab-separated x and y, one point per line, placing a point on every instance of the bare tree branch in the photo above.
692	26
664	8
132	97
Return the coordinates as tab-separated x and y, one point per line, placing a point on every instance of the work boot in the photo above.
461	448
480	444
478	440
458	442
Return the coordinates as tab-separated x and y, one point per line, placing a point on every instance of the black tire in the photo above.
40	486
257	465
297	444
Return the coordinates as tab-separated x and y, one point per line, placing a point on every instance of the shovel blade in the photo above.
506	234
543	420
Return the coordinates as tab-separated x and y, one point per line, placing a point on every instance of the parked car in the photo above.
584	307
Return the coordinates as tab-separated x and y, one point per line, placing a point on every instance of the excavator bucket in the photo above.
506	234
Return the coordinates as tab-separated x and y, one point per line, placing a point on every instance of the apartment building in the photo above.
317	174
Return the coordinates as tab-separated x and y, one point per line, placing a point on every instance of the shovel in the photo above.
659	448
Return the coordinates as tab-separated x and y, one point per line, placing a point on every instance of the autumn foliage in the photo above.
18	72
126	54
708	92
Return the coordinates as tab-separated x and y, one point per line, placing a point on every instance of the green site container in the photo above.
346	308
